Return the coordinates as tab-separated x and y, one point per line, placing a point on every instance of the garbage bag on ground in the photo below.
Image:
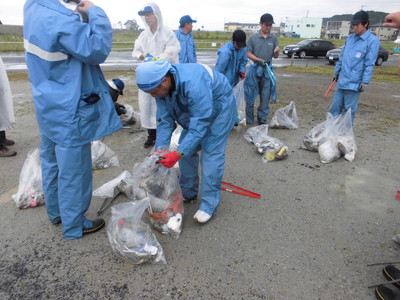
338	139
102	156
131	238
238	91
121	184
285	117
271	148
30	189
312	138
129	117
161	186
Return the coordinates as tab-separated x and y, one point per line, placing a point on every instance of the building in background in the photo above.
246	27
304	28
337	29
384	33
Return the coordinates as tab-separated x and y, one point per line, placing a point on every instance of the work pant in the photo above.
67	185
343	100
257	84
2	138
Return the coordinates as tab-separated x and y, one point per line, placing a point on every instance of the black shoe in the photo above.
56	221
384	293
392	273
8	142
97	225
5	152
189	199
149	142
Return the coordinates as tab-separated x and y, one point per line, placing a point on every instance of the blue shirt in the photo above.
188	47
231	61
357	60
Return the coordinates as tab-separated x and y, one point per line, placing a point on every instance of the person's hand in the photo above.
276	51
170	159
392	20
242	75
84	6
362	87
261	62
335	77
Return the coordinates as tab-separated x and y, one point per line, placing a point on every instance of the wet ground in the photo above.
310	236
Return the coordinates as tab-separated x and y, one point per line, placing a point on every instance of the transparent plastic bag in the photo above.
132	239
121	184
102	156
311	139
161	186
129	117
30	189
238	91
175	138
271	148
285	117
338	139
257	134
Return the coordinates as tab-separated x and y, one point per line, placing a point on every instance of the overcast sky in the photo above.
212	14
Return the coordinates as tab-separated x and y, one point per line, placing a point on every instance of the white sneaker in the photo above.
201	216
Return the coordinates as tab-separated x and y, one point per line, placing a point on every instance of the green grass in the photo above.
382	74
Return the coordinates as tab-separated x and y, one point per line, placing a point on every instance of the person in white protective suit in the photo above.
201	100
6	113
155	40
72	102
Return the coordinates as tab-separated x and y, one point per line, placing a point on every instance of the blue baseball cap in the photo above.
150	74
186	19
146	10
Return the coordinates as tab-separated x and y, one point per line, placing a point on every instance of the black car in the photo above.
311	47
333	56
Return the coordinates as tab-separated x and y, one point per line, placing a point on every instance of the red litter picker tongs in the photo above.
240	191
329	88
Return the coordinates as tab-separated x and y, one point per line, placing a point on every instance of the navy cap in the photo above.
267	19
360	17
186	19
146	10
120	85
239	36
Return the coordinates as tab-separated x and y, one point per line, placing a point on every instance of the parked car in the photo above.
310	47
333	55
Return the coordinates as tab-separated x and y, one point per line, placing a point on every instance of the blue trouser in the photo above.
212	171
67	185
343	100
257	84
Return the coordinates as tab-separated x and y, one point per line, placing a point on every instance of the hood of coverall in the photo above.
157	13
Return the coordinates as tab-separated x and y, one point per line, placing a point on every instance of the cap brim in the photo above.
355	22
240	44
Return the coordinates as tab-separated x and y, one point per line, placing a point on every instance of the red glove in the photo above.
242	75
170	159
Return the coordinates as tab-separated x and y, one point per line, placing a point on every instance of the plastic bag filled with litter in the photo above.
257	134
102	156
131	238
338	139
285	117
30	190
312	138
238	91
161	186
129	117
121	184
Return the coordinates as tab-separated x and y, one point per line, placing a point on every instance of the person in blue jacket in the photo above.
355	67
200	100
72	102
262	46
232	58
184	35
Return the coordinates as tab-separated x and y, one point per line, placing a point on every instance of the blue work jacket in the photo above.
357	60
187	53
72	102
231	61
202	103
